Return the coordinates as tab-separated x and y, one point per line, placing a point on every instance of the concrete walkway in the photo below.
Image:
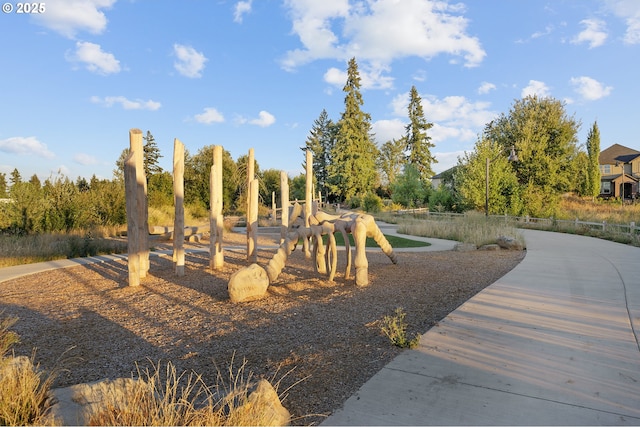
553	342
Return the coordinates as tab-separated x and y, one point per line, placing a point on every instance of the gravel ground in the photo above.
321	340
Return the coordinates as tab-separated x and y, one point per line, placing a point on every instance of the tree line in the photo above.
349	167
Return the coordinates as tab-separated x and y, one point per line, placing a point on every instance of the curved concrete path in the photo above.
553	342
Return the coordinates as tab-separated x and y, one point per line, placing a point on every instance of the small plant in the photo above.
395	328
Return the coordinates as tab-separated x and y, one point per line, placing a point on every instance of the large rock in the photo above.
510	243
464	247
75	404
248	284
263	407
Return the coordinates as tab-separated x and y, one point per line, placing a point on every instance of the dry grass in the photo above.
585	209
472	228
24	389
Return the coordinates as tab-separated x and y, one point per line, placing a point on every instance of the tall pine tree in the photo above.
593	154
320	141
151	155
417	142
353	168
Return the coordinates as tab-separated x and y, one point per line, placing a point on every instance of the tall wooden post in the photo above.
178	197
136	147
133	243
252	232
252	223
216	220
308	196
284	204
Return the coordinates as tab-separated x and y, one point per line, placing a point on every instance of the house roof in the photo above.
617	153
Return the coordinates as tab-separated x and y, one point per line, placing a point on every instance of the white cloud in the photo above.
94	58
334	29
629	10
68	17
265	119
486	87
369	78
594	33
446	160
537	88
28	146
85	159
210	115
190	62
387	130
590	89
242	8
127	104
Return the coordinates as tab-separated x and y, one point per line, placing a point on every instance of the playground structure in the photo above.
299	222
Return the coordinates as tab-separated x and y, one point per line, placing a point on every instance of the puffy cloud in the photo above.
190	62
387	130
210	115
537	88
265	119
629	10
94	58
127	104
68	17
369	78
486	87
27	146
590	89
85	159
423	28
242	8
594	33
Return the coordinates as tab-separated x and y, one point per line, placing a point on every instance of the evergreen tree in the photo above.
418	142
320	141
15	178
391	160
593	154
3	185
353	167
151	155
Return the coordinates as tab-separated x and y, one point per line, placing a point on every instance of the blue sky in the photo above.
244	74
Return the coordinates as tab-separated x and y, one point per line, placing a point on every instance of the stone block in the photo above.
248	284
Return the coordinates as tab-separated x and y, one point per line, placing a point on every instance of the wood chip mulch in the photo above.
320	339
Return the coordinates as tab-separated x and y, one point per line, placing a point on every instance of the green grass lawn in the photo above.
395	241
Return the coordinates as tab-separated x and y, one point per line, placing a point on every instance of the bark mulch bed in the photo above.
325	335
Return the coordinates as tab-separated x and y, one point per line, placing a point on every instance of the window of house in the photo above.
605	187
605	169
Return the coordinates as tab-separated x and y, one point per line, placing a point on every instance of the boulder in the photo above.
491	247
510	243
464	247
248	284
75	404
263	407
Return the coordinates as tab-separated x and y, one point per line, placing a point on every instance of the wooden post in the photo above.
284	205
178	197
133	244
252	223
308	199
136	147
216	220
274	212
250	178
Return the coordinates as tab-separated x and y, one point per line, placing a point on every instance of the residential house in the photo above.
619	172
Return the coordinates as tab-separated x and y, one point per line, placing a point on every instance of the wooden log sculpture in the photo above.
324	257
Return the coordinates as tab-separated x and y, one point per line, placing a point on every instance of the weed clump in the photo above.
395	328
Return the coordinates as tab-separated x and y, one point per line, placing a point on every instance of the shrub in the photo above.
372	203
395	328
